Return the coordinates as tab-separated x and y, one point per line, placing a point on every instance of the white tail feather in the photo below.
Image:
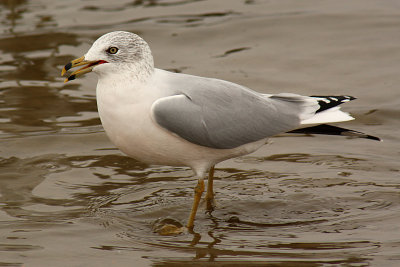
328	116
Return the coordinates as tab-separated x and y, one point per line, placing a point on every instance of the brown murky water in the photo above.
69	198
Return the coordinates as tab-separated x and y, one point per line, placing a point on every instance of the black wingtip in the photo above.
334	130
339	97
374	138
352	133
327	102
350	97
370	137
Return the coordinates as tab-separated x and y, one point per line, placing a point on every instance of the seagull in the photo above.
165	118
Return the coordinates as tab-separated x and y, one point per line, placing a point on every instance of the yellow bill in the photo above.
87	67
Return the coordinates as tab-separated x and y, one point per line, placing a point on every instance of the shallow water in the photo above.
68	197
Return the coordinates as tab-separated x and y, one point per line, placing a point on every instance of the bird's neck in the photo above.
123	87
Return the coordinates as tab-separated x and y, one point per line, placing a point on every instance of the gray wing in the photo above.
219	114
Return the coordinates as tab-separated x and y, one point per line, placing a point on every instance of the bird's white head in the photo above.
115	53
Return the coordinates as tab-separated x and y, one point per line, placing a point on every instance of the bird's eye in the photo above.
112	50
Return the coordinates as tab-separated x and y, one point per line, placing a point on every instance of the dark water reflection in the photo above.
69	198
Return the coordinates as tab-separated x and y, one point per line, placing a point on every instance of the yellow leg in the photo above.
210	191
198	191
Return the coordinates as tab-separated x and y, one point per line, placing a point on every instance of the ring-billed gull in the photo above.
166	118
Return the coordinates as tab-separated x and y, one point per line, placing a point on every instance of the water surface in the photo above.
68	197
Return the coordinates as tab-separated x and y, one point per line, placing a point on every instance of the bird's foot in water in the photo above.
210	204
168	226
